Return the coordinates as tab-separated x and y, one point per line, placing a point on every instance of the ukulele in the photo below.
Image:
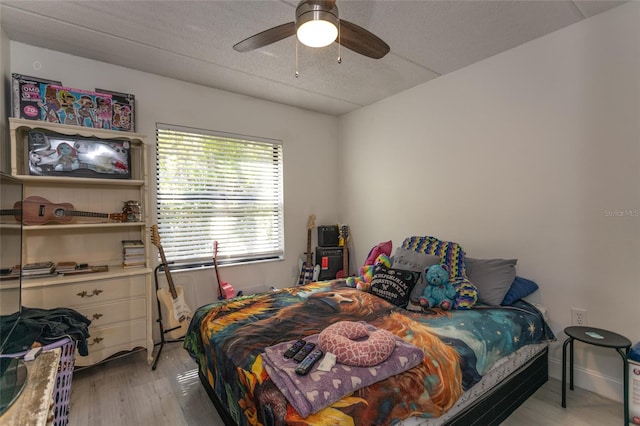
307	269
344	239
225	291
38	211
173	300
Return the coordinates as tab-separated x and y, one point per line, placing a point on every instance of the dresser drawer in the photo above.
76	295
113	312
110	340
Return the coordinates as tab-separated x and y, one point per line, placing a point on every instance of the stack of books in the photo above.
38	269
83	268
133	254
10	273
63	267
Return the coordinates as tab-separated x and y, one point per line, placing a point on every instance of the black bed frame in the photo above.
491	409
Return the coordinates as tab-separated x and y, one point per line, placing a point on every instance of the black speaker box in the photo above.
328	235
330	261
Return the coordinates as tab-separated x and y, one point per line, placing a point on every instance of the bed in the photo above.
479	364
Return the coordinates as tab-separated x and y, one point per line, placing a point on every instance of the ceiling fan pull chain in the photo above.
339	43
297	73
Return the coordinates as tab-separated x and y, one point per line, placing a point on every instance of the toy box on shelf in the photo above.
28	98
41	99
52	154
47	100
79	107
123	105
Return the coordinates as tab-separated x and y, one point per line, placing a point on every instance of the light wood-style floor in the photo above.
126	392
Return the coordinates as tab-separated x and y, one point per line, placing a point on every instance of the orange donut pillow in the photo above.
353	344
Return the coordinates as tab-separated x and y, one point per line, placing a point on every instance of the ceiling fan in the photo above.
317	25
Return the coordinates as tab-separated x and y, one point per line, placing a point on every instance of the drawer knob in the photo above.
96	340
97	316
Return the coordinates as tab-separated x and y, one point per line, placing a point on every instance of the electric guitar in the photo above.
225	291
179	314
344	239
38	211
307	269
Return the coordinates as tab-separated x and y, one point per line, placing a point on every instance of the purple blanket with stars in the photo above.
318	389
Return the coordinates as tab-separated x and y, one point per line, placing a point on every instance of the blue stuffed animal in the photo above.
438	293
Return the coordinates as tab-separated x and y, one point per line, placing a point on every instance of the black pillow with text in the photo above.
393	285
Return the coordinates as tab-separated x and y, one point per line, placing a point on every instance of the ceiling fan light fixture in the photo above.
317	33
316	26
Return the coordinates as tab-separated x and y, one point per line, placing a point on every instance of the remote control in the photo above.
302	353
308	363
294	348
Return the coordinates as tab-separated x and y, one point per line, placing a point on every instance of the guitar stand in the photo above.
159	320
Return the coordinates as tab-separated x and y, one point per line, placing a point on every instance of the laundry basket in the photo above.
633	360
59	413
62	389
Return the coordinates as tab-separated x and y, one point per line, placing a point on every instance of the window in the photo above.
223	187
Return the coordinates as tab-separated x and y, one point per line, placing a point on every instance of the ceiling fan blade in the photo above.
361	41
266	37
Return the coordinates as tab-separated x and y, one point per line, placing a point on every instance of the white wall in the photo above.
526	155
309	141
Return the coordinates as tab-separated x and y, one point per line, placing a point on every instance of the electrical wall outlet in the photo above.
578	316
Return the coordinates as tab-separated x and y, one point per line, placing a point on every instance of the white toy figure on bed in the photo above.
438	293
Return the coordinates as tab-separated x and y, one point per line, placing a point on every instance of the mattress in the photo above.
501	369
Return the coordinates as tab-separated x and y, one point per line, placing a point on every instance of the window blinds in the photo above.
217	186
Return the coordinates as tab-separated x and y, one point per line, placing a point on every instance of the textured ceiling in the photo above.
192	41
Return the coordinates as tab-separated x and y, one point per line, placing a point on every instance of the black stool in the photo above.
597	337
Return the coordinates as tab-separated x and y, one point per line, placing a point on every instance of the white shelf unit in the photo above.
119	301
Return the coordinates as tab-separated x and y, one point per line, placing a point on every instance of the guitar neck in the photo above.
11	212
215	266
345	259
309	259
344	233
167	272
77	213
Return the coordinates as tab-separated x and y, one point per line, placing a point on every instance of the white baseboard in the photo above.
594	381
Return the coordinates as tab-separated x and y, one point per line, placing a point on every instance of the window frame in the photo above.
244	212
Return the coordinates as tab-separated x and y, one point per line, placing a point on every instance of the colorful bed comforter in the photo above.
228	338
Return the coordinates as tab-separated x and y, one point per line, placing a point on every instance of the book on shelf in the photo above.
38	269
133	254
37	266
134	258
134	265
88	269
132	243
10	273
66	266
133	251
